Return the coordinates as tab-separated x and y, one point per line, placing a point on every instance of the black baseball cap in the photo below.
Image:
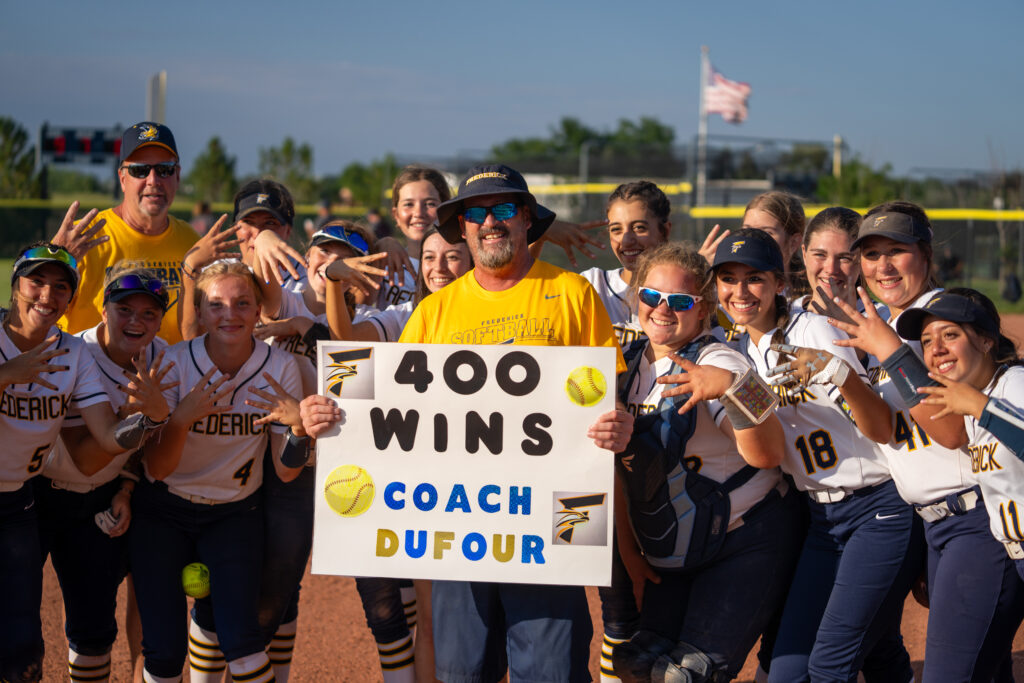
490	179
894	225
754	248
144	134
951	307
265	198
35	257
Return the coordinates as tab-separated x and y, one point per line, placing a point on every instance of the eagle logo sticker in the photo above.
580	518
149	132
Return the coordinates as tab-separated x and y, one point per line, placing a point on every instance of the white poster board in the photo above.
465	463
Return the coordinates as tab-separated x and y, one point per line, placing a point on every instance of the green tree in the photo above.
291	164
17	162
860	185
212	176
369	183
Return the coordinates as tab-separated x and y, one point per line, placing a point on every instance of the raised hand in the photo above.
711	242
271	255
356	272
703	382
76	236
954	398
867	331
319	414
571	236
289	327
214	245
806	367
397	263
831	309
280	406
28	367
146	390
201	401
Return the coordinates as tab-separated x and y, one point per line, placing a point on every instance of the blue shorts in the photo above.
539	633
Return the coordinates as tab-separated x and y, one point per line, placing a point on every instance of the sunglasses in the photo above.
131	282
501	212
339	233
164	169
47	254
676	302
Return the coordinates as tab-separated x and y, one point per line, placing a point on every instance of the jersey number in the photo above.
36	462
817	449
243	472
1011	521
904	432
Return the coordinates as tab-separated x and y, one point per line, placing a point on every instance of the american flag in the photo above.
725	97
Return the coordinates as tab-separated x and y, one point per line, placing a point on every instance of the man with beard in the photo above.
511	298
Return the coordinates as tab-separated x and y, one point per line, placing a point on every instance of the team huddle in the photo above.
807	428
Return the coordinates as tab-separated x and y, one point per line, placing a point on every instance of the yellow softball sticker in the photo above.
195	579
585	386
349	490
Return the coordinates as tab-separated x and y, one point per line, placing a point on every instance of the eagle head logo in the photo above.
149	132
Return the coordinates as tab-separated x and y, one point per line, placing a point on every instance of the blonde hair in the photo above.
129	266
222	269
682	255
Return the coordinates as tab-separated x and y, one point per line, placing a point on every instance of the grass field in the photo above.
5	281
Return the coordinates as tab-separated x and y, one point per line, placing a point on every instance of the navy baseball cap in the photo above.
144	134
266	198
946	306
490	179
754	248
130	283
894	225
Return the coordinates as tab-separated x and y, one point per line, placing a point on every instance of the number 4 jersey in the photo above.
222	458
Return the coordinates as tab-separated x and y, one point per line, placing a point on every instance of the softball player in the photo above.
199	498
90	562
860	528
981	378
638	220
973	590
699	622
44	375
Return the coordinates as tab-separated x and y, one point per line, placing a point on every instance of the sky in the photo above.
913	84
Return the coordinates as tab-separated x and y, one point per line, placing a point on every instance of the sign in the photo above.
465	463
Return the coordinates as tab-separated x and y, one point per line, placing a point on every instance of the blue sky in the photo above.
914	84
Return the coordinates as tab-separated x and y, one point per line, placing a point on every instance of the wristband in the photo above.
190	273
836	373
908	372
749	401
129	432
296	450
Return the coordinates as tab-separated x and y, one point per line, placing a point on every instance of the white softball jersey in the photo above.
294	305
1000	473
390	322
824	448
391	295
923	470
613	292
59	466
31	415
222	458
709	451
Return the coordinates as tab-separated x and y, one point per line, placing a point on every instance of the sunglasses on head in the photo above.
340	233
676	302
165	169
47	254
501	212
137	283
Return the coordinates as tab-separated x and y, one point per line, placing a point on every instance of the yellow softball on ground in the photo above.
585	386
195	579
349	490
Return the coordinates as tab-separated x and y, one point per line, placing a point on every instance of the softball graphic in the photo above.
585	386
195	579
349	490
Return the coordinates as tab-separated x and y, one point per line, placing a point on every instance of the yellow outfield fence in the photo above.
716	212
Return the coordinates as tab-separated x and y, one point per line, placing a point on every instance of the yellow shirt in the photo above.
548	307
162	253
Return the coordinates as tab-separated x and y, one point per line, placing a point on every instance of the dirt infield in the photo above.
334	644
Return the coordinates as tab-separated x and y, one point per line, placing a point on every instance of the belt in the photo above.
74	487
9	486
192	498
836	495
954	504
1014	549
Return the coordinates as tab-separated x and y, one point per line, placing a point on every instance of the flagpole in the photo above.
702	130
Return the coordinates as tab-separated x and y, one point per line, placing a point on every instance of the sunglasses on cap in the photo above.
137	284
165	169
676	302
501	212
338	233
47	254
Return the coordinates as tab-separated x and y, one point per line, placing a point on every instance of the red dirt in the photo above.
334	644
